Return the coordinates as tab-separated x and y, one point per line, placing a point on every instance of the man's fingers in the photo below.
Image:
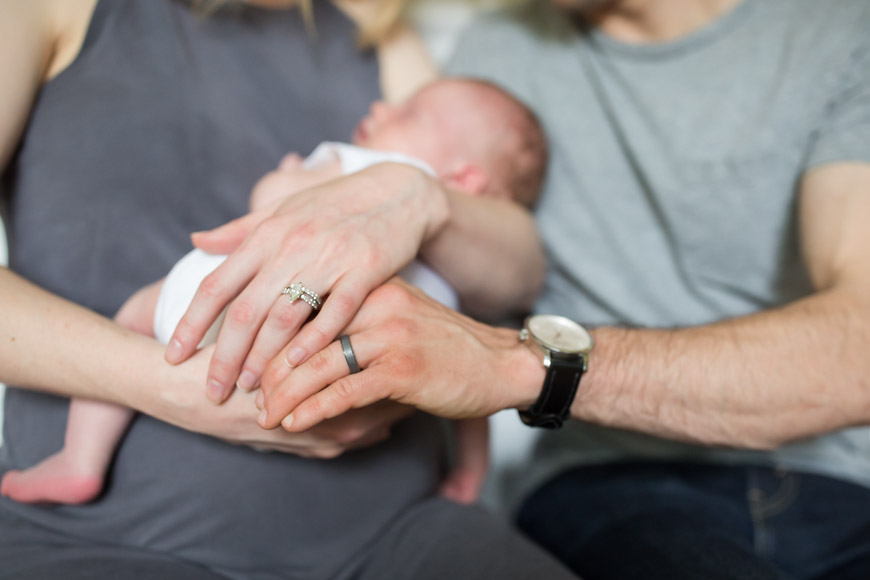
351	392
323	368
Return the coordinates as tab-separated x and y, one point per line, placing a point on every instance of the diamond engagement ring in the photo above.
297	290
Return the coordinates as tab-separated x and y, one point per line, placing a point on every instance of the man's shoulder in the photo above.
816	13
846	20
504	46
827	41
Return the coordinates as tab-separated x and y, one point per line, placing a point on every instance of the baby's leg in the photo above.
465	480
137	313
76	473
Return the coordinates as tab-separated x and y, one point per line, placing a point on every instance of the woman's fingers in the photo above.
221	286
213	294
284	320
348	235
242	324
337	311
226	238
378	333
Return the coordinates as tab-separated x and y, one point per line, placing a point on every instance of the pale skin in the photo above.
50	344
757	382
420	126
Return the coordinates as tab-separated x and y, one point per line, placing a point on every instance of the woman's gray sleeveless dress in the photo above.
161	127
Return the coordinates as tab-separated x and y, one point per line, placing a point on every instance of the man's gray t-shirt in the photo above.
672	188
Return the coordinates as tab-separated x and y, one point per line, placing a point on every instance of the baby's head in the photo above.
477	137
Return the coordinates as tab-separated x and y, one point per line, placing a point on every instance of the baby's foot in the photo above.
55	480
463	486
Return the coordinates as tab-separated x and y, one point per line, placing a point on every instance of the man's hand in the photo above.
341	240
412	350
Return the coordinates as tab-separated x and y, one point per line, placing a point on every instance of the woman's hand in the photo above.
235	421
414	351
341	240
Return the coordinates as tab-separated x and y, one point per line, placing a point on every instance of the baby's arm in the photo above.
465	480
137	313
290	178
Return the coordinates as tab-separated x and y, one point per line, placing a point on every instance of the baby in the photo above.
470	134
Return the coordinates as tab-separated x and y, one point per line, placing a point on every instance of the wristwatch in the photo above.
566	346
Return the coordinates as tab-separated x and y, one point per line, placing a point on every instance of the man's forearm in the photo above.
490	253
758	381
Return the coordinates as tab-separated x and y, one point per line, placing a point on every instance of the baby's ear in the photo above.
468	178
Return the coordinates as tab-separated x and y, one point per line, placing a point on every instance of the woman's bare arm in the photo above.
26	41
50	344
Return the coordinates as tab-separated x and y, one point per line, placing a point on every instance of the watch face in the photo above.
559	334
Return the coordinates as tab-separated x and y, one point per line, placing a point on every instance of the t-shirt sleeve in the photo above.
844	132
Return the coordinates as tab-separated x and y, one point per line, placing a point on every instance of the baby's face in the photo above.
425	126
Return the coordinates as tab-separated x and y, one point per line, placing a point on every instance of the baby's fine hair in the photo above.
521	153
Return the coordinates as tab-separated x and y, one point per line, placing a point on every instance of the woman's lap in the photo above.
433	540
51	562
439	539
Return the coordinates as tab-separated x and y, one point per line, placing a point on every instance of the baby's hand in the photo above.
290	162
288	179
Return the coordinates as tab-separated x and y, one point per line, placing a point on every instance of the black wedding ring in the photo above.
349	356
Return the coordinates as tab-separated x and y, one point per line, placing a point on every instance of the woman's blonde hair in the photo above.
378	23
384	18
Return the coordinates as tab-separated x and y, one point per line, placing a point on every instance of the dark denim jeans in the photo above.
654	521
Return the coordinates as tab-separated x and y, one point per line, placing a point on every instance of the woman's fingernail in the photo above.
288	420
261	418
247	381
295	356
260	400
214	391
173	351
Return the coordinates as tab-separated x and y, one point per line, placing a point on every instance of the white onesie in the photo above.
184	278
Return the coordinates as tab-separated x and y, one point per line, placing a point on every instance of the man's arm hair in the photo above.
763	380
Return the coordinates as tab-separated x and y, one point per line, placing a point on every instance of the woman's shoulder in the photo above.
67	22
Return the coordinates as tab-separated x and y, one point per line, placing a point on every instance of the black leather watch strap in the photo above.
560	387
